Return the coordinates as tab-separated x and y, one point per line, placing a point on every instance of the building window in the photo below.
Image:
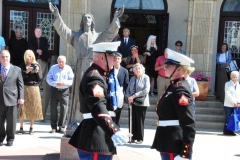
232	37
140	4
56	2
231	6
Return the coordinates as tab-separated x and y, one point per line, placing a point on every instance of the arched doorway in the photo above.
144	18
27	15
229	28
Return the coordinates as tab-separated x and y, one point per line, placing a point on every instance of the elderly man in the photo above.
59	77
81	40
97	135
11	94
39	45
17	46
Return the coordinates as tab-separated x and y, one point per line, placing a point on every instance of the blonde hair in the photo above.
29	52
149	42
138	65
188	70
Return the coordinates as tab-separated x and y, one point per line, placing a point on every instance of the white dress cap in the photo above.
105	47
177	58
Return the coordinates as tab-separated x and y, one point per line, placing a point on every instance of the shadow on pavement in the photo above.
21	157
133	145
50	137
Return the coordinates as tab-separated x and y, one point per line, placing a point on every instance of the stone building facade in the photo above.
195	22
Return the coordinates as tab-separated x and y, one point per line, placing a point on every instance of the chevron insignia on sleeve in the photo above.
183	100
98	91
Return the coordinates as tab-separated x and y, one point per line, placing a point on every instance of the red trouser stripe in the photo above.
171	156
95	156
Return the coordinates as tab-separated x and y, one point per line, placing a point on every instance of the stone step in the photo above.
211	126
209	111
209	118
209	104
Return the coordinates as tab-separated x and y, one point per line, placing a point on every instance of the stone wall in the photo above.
178	16
201	35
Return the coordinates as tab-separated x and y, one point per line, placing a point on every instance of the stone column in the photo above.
71	12
200	35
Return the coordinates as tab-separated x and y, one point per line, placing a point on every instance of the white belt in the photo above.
89	115
168	123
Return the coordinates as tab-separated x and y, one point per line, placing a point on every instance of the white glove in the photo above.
178	157
120	138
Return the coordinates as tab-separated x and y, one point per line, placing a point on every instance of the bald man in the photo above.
59	77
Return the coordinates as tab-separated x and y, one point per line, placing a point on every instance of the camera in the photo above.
34	67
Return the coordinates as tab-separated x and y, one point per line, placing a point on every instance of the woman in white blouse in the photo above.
232	99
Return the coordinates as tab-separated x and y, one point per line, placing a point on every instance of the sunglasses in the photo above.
179	45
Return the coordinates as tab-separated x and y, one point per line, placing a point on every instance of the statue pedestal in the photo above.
67	151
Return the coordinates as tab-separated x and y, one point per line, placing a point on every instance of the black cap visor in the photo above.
171	62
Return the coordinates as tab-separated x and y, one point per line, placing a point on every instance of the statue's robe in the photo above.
81	41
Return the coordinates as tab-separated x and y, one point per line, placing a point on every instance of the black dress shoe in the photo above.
53	131
229	133
1	143
61	130
9	144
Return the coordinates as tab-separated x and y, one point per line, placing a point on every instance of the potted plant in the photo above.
203	85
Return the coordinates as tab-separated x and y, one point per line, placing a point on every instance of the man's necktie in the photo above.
4	76
125	41
38	43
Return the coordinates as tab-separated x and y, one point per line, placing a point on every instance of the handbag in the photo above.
234	120
232	65
138	100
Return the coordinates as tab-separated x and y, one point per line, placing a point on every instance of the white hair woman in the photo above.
138	89
150	56
231	100
32	107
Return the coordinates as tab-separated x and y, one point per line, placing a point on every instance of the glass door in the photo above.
27	19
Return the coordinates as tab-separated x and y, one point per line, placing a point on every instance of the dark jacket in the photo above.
176	104
123	78
32	78
94	135
33	45
125	49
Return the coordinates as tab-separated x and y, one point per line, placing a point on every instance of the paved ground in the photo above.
45	146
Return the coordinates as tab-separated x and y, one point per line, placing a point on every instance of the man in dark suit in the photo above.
39	45
11	94
126	43
123	79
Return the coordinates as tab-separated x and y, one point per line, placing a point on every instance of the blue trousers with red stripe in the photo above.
169	156
93	156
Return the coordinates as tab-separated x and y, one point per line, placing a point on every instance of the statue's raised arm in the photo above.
54	10
118	13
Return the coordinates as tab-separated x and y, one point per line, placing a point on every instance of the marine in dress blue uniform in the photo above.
175	133
97	135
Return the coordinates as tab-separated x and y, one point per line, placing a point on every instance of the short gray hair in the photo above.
62	57
139	65
236	73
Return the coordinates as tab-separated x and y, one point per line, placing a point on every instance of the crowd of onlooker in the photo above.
23	67
136	74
